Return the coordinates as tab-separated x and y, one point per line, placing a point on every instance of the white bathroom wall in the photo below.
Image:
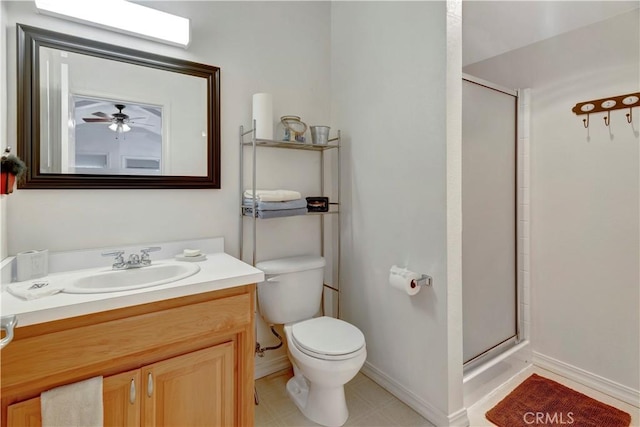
3	124
457	411
585	187
277	47
389	96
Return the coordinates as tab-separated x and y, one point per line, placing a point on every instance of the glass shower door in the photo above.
489	218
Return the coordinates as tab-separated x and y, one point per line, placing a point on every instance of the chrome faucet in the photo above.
134	260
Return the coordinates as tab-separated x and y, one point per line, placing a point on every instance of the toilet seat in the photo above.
327	338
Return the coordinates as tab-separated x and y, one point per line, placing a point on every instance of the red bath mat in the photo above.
538	401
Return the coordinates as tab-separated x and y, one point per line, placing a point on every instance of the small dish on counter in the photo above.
196	258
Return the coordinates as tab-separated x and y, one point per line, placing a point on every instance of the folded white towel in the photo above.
33	289
273	195
78	404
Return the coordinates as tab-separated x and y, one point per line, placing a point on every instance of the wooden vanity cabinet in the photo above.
181	362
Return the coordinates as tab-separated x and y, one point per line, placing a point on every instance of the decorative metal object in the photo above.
294	128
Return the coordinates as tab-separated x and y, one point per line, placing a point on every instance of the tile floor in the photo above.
372	406
369	405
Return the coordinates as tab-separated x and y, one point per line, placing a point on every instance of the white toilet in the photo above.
325	352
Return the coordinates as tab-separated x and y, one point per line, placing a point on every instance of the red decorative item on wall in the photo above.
11	167
7	182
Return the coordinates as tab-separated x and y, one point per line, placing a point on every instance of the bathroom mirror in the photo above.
94	115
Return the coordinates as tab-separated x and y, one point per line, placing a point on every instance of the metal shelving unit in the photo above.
248	141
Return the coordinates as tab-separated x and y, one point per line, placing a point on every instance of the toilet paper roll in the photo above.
263	115
401	279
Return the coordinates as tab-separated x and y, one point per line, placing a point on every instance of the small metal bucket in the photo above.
320	135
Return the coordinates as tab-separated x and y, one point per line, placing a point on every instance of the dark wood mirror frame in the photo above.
30	39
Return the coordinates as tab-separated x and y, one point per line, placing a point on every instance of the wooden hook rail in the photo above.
607	105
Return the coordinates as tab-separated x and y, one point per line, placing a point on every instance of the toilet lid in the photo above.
326	336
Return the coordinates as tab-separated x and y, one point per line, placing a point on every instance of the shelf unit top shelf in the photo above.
293	145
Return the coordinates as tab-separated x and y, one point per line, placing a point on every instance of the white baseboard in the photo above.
424	408
596	382
459	418
264	367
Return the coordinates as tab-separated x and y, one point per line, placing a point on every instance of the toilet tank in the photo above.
292	289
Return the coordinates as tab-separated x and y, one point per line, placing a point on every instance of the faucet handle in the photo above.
118	263
150	249
115	253
145	259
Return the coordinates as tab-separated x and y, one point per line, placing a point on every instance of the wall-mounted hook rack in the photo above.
607	105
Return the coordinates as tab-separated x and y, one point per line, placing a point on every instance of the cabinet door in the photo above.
24	414
121	399
121	407
196	389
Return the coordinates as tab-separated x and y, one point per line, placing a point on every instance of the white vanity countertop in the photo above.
218	271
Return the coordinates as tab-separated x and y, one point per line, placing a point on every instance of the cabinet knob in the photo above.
132	392
149	384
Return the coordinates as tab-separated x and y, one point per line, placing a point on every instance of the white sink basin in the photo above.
135	278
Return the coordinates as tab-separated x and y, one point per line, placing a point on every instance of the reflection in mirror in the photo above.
104	116
109	137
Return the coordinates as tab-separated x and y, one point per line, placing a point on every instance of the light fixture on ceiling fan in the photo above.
119	127
119	121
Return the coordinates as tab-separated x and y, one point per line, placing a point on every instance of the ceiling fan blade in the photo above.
100	114
95	120
140	124
135	118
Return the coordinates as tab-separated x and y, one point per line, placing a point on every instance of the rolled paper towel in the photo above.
401	279
263	115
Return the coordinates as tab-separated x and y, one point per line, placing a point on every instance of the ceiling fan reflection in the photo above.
119	122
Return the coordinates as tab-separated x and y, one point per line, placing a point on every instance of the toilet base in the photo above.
326	406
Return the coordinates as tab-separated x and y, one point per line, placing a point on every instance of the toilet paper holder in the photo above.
424	280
